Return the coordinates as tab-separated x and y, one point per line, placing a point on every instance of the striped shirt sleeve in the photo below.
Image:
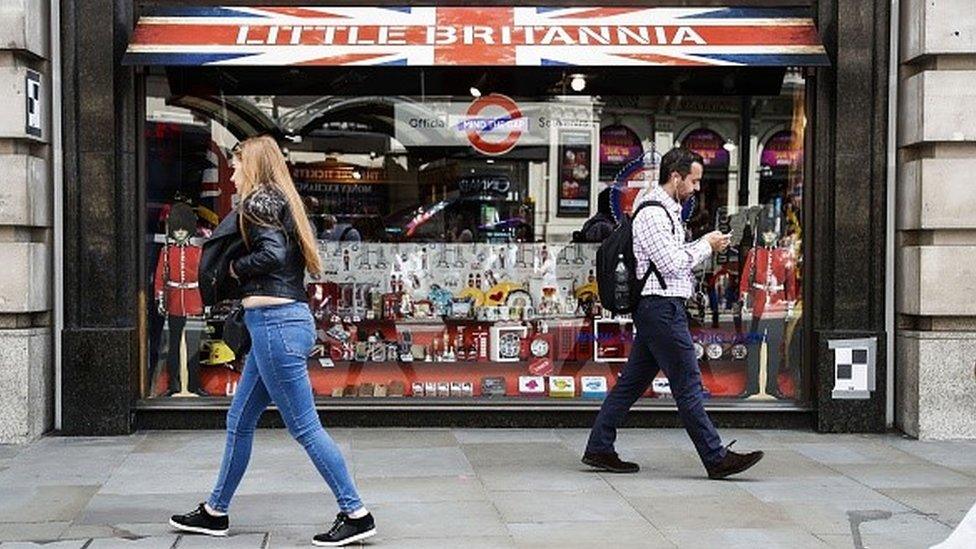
674	258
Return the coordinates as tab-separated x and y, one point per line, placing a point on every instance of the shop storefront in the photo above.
455	162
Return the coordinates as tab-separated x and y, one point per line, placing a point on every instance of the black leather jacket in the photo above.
274	264
269	263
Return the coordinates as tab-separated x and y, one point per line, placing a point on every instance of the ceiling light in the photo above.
578	82
729	146
475	92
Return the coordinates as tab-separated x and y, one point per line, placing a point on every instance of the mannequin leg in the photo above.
177	324
776	329
752	359
193	334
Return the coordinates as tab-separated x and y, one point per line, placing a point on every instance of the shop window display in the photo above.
454	267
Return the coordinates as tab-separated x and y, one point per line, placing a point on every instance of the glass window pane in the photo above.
459	236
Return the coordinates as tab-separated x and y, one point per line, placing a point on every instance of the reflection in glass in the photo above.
464	272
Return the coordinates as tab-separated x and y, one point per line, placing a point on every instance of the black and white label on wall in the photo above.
854	367
33	105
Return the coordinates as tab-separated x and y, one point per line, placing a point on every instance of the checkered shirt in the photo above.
674	257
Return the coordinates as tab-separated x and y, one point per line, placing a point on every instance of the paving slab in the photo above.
786	464
365	439
65	544
52	462
923	475
32	531
854	452
538	478
299	537
564	534
497	454
903	531
946	505
745	538
518	436
494	488
115	509
240	541
154	542
589	506
652	484
43	503
438	520
375	490
410	462
724	511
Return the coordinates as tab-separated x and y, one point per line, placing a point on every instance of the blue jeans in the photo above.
276	371
663	342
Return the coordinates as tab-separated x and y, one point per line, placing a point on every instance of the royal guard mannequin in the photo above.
768	287
177	292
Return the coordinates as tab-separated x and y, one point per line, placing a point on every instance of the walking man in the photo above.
663	341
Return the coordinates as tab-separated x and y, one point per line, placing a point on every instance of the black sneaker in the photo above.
346	530
199	521
609	462
733	463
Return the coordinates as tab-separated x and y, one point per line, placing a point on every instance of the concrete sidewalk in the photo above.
494	488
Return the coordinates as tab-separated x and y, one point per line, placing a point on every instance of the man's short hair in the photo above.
678	159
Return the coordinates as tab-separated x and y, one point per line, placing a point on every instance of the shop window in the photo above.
459	238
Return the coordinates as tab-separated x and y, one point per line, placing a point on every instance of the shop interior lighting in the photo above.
478	85
729	146
490	161
577	82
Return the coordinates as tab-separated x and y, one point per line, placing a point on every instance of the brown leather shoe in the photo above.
609	462
733	463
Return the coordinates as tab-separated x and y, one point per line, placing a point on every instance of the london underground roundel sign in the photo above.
494	124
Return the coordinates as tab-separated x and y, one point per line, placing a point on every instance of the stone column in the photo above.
26	344
846	264
101	230
936	221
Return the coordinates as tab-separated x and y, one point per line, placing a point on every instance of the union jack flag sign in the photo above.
486	36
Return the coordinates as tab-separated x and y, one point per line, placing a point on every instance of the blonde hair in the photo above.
261	163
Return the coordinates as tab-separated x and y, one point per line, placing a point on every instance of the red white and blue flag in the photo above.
481	36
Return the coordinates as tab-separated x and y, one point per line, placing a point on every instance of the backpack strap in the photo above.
656	204
651	266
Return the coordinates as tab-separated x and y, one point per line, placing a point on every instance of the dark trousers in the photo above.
663	342
774	329
177	326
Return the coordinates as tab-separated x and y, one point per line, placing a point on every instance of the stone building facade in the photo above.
26	220
936	221
935	201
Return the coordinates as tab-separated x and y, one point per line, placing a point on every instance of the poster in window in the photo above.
574	161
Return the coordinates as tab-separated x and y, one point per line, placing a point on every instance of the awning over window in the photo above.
472	36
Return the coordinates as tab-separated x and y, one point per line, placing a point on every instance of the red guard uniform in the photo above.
769	279
180	280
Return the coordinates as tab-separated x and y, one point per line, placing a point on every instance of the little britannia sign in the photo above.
480	36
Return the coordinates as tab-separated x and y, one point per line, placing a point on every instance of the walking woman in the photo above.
270	276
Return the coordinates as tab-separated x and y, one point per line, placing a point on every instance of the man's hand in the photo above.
718	240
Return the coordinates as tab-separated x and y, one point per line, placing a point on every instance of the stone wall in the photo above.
26	300
936	221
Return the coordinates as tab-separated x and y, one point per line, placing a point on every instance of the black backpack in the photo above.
621	243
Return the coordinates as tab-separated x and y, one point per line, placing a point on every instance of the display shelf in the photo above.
508	403
723	381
